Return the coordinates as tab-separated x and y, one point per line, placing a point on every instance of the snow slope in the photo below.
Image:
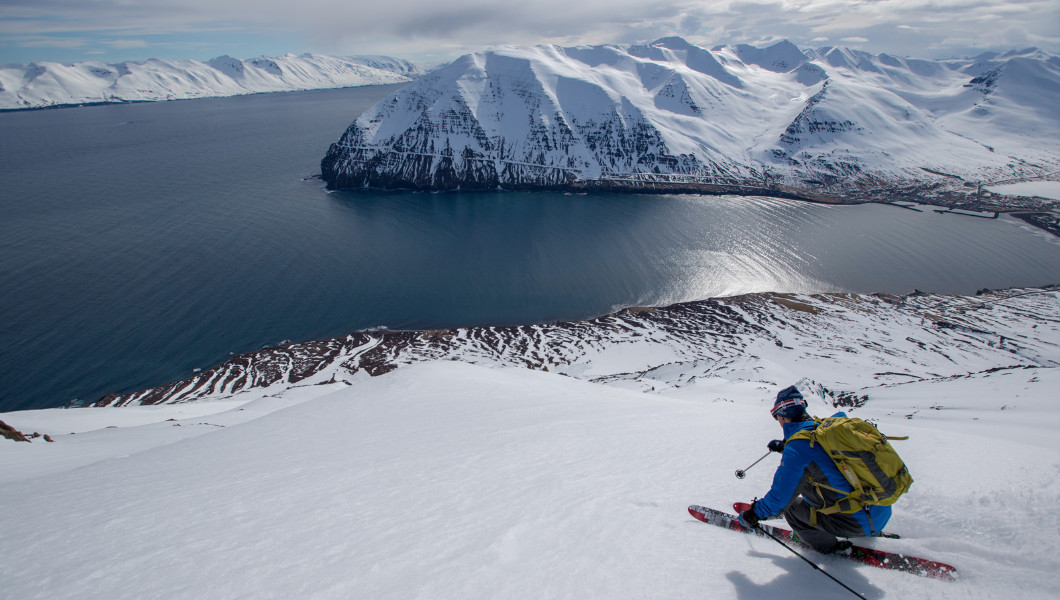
53	84
776	118
1046	189
446	479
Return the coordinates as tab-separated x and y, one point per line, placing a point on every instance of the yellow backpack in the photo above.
864	457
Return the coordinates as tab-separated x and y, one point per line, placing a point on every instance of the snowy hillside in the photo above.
444	479
915	337
734	118
53	84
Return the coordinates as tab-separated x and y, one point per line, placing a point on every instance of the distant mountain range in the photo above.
45	84
670	115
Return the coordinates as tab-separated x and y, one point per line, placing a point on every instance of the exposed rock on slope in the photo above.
9	432
920	336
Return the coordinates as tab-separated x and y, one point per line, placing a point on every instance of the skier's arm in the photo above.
794	461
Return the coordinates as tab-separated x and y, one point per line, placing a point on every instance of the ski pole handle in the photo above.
740	473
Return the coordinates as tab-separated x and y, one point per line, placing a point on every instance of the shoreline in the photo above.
1042	220
1038	211
236	367
121	101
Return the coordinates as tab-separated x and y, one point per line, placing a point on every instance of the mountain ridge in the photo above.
832	124
49	84
912	337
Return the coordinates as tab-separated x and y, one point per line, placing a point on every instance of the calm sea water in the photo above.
139	242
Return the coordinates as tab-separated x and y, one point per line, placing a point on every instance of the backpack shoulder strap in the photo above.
805	434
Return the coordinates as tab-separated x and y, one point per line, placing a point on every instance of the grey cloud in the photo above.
442	24
411	27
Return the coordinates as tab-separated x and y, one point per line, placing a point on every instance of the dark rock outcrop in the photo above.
10	433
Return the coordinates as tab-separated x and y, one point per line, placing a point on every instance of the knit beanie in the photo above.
789	403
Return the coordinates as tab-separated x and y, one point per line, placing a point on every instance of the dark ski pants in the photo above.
822	538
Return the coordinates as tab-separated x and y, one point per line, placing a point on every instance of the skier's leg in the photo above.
823	537
798	516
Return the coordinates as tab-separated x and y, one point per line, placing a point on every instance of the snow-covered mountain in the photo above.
555	460
52	84
772	120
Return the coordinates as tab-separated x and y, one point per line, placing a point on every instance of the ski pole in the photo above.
741	472
810	562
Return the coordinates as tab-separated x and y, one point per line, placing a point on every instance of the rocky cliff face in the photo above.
775	118
489	121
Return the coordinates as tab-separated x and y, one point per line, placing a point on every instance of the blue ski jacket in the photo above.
800	461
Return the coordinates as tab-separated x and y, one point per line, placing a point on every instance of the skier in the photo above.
794	492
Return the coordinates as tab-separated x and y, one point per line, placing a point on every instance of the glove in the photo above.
749	518
776	446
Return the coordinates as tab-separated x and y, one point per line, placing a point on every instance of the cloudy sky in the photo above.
439	30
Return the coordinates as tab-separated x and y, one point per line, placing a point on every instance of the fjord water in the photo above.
142	241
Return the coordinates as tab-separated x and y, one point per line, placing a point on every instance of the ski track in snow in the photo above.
459	472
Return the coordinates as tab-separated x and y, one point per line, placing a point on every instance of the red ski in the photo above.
861	554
